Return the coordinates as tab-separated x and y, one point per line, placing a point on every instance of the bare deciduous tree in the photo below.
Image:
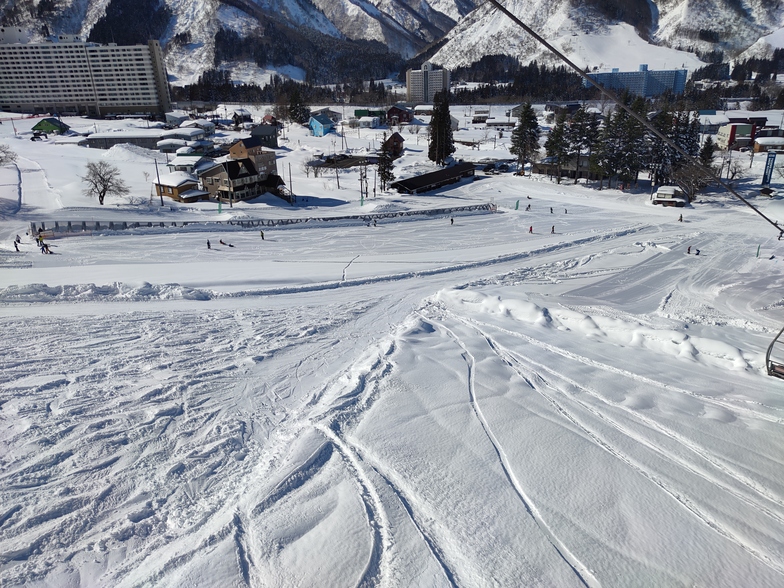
7	155
104	179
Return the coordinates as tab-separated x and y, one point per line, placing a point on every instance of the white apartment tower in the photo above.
423	84
67	75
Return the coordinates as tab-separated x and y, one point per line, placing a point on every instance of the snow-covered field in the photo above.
417	403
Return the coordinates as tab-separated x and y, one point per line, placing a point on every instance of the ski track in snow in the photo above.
580	570
537	381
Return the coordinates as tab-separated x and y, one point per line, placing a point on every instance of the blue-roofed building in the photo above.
320	125
643	82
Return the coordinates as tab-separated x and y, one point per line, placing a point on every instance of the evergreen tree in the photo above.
581	135
557	145
525	137
707	151
632	143
385	174
442	144
299	112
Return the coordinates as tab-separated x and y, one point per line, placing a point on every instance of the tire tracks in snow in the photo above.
580	569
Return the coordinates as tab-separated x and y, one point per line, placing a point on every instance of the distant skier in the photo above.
552	231
262	235
551	210
451	221
564	211
375	224
528	207
18	239
680	219
531	229
688	250
221	242
696	252
16	247
208	244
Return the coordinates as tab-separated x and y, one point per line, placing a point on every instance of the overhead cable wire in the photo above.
693	161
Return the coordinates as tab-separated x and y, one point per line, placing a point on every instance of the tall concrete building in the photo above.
423	84
68	75
644	82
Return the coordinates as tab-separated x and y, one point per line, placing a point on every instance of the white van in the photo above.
670	196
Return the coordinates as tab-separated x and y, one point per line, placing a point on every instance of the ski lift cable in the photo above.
707	172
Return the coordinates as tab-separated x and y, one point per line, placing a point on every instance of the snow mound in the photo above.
597	328
37	293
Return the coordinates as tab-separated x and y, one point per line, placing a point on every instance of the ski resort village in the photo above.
420	330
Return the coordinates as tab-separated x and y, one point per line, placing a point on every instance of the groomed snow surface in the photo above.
417	403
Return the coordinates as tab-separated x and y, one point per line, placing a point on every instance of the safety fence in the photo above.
56	229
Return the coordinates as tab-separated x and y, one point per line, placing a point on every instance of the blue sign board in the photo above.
766	177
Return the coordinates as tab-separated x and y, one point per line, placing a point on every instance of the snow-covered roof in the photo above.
183	132
171	143
769	141
201	123
185	150
714	119
130	133
177	178
185	159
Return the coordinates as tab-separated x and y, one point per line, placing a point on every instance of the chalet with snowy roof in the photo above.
180	186
762	144
232	180
51	126
205	125
253	148
368	122
332	115
399	115
176	117
191	163
434	180
394	144
241	115
321	125
267	134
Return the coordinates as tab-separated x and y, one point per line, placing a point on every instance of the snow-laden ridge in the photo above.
471	29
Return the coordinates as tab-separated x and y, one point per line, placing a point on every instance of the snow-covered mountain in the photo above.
671	34
592	32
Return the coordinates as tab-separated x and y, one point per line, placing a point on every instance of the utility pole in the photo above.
160	190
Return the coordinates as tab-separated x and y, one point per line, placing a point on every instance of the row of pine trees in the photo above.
618	148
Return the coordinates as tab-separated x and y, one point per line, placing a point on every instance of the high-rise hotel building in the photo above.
423	84
66	75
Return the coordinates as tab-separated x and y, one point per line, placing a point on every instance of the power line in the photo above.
707	172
